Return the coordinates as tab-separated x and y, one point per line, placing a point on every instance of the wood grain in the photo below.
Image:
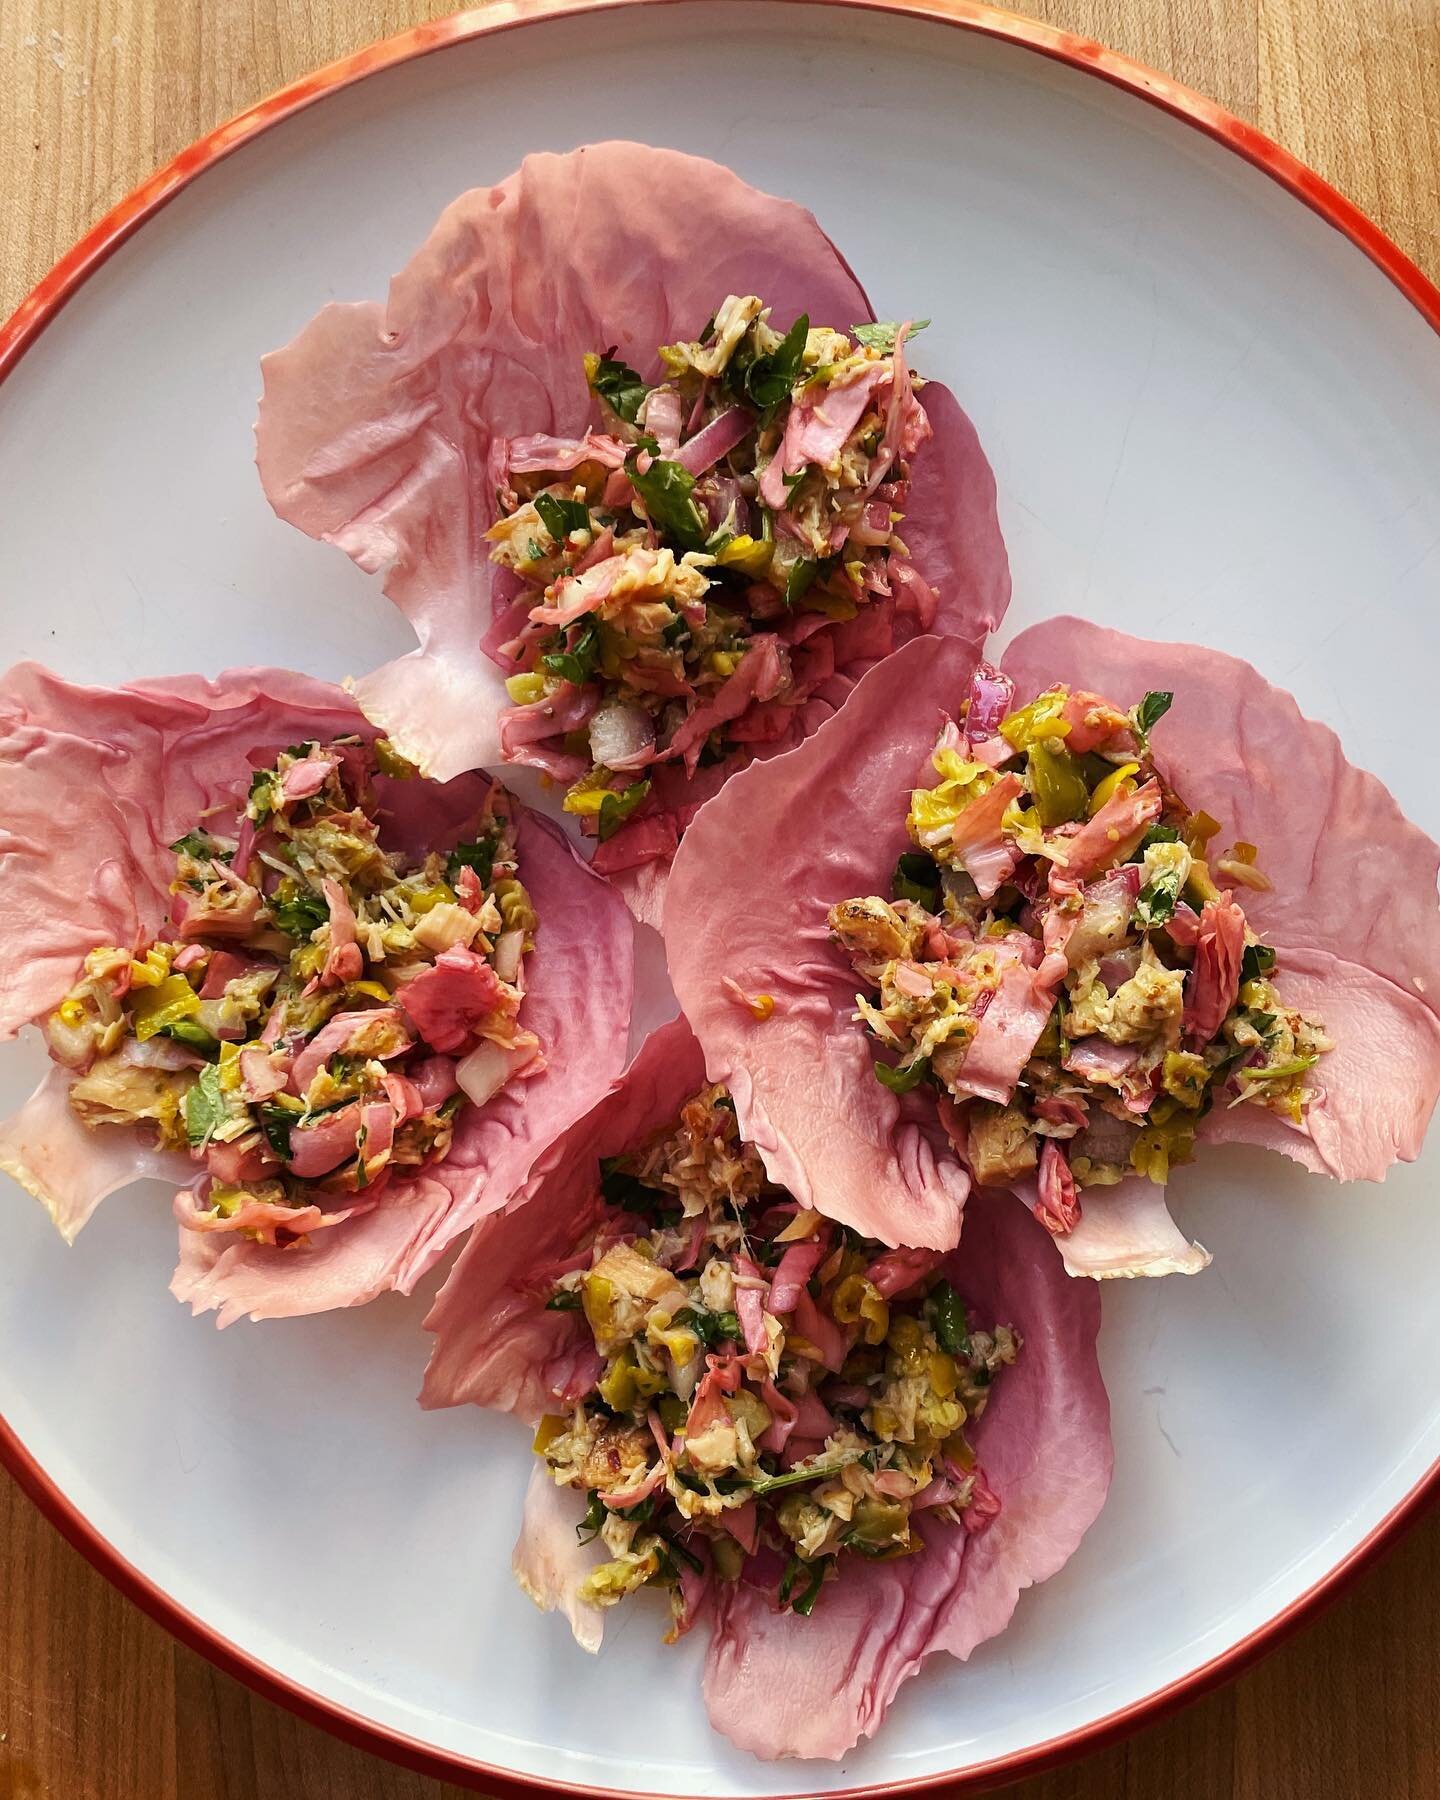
96	1703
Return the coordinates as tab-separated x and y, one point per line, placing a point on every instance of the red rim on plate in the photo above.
44	303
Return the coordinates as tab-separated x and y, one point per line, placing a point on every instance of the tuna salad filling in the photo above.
1063	956
678	579
772	1393
320	1009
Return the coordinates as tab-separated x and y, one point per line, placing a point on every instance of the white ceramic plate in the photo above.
1210	415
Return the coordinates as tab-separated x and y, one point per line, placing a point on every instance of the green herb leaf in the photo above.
881	335
204	1106
201	846
947	1314
901	1080
589	1527
561	517
769	378
615	809
676	1548
188	1031
767	1484
479	856
710	1327
618	1187
277	1123
668	493
1157	834
799	581
566	1300
1259	959
618	384
298	916
1157	900
577	664
808	1578
1151	710
917	878
1281	1071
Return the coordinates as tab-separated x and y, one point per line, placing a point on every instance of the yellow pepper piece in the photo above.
372	990
908	1346
750	555
425	898
586	803
624	1382
944	1376
155	1008
152	970
524	690
681	1346
587	795
857	1301
723	662
1200	885
1057	783
546	1432
1185	1077
1038	721
389	761
230	1064
880	1522
1160	1146
1199	829
617	1386
1120	781
226	1200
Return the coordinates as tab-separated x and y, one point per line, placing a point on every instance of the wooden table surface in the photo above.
96	1703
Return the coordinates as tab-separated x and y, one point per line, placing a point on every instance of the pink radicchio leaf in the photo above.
95	784
549	1561
495	1343
780	1685
1123	1231
68	1167
1352	912
823	824
379	426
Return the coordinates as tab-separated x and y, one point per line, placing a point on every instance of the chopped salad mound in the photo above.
683	573
788	1427
402	431
321	1010
1063	956
772	1395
